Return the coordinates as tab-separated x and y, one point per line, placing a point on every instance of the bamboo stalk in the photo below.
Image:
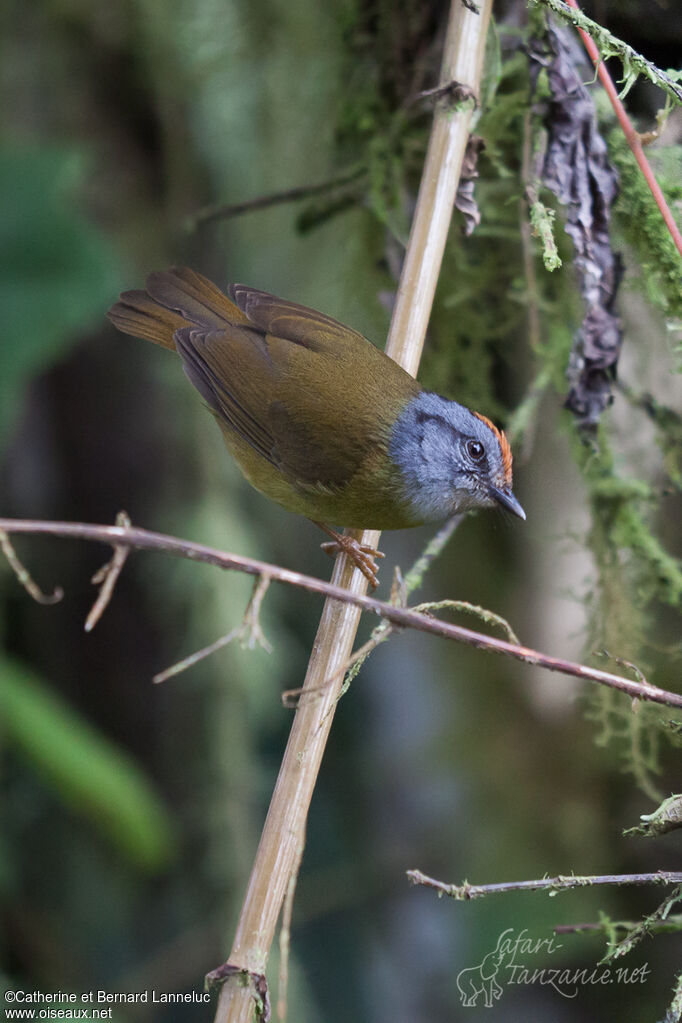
283	834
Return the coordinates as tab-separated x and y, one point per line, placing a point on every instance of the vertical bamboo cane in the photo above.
283	834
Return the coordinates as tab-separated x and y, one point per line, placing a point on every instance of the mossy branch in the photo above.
644	927
465	892
634	64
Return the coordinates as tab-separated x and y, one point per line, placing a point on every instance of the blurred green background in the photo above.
132	812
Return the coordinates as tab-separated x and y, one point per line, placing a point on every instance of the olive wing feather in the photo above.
289	385
276	402
292	322
193	297
206	355
287	379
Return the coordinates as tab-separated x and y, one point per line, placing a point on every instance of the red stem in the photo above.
630	133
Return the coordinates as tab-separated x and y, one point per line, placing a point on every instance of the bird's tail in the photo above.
173	299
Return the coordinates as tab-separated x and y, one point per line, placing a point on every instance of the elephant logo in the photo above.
481	980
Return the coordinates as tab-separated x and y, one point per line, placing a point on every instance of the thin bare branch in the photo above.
248	632
643	928
252	634
671	925
634	934
197	656
407	618
291	697
466	891
24	577
223	211
107	576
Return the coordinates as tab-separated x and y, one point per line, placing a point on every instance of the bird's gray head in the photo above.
451	459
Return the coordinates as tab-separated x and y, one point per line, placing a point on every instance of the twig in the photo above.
487	616
643	928
197	656
623	663
552	885
23	576
673	1013
400	589
383	632
612	46
107	576
454	92
349	671
249	633
143	539
671	925
466	891
632	136
222	211
252	632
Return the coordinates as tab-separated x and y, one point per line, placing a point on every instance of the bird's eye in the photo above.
475	450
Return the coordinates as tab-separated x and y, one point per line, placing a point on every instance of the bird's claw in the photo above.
362	555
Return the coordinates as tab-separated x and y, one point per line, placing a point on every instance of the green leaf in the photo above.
90	774
57	271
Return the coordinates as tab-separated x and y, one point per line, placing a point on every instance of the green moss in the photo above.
623	509
633	573
668	424
640	220
542	221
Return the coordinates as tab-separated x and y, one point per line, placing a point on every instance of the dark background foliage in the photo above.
132	812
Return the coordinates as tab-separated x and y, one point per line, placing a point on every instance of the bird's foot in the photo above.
362	555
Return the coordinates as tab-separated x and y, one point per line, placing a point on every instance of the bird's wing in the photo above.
287	379
222	365
295	323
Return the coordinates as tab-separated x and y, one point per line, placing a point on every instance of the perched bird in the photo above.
316	417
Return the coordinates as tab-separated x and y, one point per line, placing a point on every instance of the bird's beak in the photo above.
508	501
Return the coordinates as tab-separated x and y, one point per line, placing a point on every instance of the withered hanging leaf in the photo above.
577	169
465	200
